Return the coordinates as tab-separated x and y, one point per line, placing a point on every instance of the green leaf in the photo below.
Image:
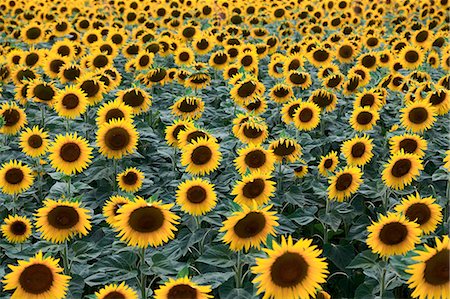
219	256
366	259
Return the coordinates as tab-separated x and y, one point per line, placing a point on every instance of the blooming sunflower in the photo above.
201	157
363	118
191	134
401	169
114	110
173	131
358	150
424	211
130	180
15	177
418	116
70	102
430	271
70	153
290	270
143	224
136	98
281	93
249	227
117	138
58	221
254	158
393	234
188	107
328	163
344	183
411	57
253	131
182	287
255	187
39	277
286	149
307	116
17	229
115	291
288	110
409	143
247	89
112	206
196	196
14	118
34	142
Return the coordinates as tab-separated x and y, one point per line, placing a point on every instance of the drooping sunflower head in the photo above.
92	87
368	98
188	107
344	183
401	169
328	163
301	170
393	234
249	227
219	60
117	139
424	211
69	72
112	206
130	180
17	229
138	99
289	109
307	116
70	102
285	149
247	89
320	56
430	270
191	133
196	196
358	150
255	188
143	224
59	221
299	79
409	143
201	157
182	287
281	93
440	100
14	118
255	158
324	99
42	92
257	106
38	277
292	269
15	177
34	141
113	291
252	131
363	118
247	59
70	153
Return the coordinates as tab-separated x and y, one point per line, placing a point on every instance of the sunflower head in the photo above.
130	180
34	141
401	169
196	196
17	229
15	177
182	287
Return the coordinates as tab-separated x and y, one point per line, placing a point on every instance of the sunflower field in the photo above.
195	149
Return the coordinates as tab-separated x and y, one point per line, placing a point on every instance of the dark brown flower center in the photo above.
196	194
188	105
70	152
281	92
346	51
344	181
364	118
114	113
367	100
114	295
90	87
133	98
328	163
255	159
254	188
297	78
251	225
418	115
292	110
36	279
247	60
368	61
220	58
437	268
100	61
283	149
31	59
35	141
246	89
64	51
70	101
411	56
63	217
322	100
408	145
71	73
130	178
422	36
437	97
188	32
44	92
117	138
401	168
11	117
184	56
14	176
305	115
358	149
195	136
393	233
18	228
182	291
33	33
418	212
146	219
321	55
252	132
201	155
289	270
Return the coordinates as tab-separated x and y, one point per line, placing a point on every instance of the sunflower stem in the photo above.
325	226
43	115
69	182
386	200
143	277
238	270
114	183
280	176
383	278
65	258
15	197
67	125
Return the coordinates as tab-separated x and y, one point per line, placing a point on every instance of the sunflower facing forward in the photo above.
409	143
344	183
182	287
255	158
39	277
256	187
291	270
117	139
15	177
249	227
201	157
401	170
34	142
196	196
393	234
130	180
115	291
358	150
418	116
430	271
17	229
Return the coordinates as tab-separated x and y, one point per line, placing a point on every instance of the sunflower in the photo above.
418	116
368	60
191	134
288	110
70	153
39	277
188	107
182	287
14	118
143	224
424	211
22	74
291	270
307	116
34	142
113	291
202	44
409	143
324	99
69	73
252	131
358	150
328	163
247	89
392	234
248	60
344	183
173	131
249	227
114	110
363	118
41	92
257	106
32	33
411	57
70	102
401	169
281	93
299	79
440	100
184	56
429	271
17	229
300	171
130	180
320	56
15	177
285	149
92	87
255	187
112	206
219	60
136	98
117	139
293	62
201	157
196	196
58	221
346	52
368	98
254	158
